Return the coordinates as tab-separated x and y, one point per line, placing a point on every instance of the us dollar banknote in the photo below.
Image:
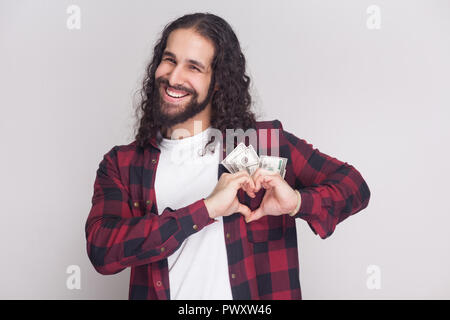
275	164
246	158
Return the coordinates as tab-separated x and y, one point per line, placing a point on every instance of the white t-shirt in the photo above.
198	269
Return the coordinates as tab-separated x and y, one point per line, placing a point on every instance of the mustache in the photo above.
161	81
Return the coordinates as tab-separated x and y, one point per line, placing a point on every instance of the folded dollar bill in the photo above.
276	164
246	158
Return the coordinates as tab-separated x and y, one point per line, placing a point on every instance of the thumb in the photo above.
255	215
242	208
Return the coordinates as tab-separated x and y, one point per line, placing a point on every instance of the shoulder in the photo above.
123	154
276	125
286	138
269	124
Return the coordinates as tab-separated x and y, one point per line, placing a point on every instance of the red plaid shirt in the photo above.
123	228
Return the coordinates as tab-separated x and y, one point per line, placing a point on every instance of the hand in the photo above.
223	201
279	198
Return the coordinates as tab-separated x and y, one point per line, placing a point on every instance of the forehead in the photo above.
187	44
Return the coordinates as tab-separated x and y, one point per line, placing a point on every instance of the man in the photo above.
165	206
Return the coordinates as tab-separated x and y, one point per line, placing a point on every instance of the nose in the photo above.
176	76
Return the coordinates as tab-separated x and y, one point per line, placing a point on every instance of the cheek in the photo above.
164	69
202	87
159	71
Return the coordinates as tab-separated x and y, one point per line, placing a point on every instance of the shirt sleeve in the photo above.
331	190
116	238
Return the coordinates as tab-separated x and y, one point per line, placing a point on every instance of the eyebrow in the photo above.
194	62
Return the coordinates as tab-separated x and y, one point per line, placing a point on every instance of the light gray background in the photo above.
377	99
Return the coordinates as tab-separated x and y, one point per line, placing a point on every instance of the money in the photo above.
246	158
275	164
242	158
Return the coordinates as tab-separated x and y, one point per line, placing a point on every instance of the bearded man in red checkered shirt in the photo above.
166	207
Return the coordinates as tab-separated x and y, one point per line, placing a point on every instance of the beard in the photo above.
161	107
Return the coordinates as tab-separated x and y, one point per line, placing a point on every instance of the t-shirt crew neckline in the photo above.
196	138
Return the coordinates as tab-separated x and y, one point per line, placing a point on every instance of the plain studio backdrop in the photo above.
366	82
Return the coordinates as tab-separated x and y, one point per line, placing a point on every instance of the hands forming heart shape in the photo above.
278	199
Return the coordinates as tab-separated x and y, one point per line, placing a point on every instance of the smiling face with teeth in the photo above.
183	78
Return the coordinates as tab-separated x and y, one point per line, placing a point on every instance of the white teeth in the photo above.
174	95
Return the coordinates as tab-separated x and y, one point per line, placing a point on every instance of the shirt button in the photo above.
153	161
148	202
228	235
163	249
158	283
233	276
136	204
195	227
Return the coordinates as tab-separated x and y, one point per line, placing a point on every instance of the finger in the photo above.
256	173
265	185
251	186
244	210
245	182
262	171
240	174
259	174
239	178
240	182
271	181
258	181
232	176
251	182
250	190
255	215
256	178
248	187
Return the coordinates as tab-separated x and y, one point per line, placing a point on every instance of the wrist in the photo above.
209	208
298	203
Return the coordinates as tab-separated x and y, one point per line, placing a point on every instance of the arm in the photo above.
117	239
331	190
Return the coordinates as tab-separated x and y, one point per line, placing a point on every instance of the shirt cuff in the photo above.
195	218
306	205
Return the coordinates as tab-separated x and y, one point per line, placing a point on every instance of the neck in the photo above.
199	123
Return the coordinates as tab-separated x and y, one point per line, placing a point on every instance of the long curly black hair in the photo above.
231	103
